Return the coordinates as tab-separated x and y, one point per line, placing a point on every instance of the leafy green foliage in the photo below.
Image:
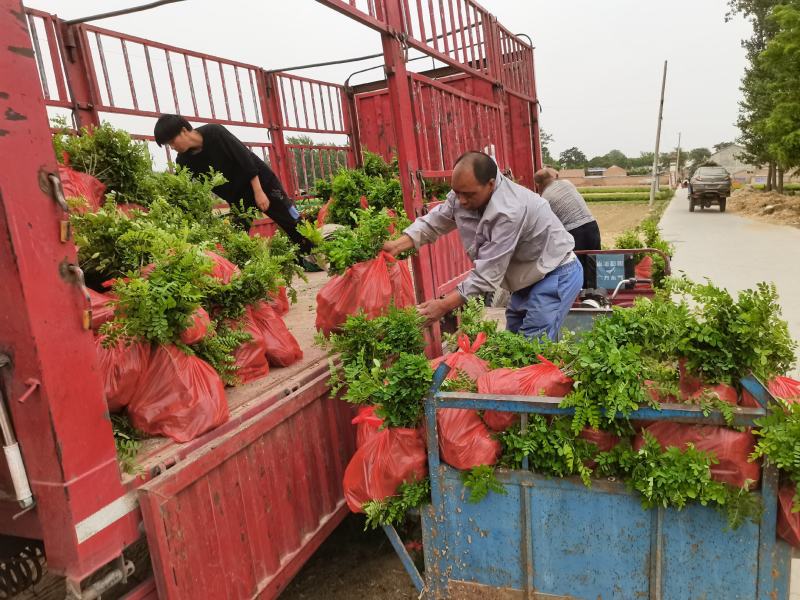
377	181
779	442
400	400
110	155
127	441
608	377
727	338
460	383
481	480
393	509
191	194
158	308
348	246
218	348
676	476
551	448
647	235
363	340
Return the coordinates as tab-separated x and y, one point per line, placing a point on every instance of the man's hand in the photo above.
399	245
261	200
432	310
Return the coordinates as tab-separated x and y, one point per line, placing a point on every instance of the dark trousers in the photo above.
278	211
587	237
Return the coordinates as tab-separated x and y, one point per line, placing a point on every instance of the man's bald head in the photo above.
544	177
473	179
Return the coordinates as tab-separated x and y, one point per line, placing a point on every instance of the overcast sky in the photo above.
598	63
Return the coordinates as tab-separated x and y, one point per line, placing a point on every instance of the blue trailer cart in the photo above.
554	538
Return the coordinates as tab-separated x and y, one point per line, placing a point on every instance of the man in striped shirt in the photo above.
571	209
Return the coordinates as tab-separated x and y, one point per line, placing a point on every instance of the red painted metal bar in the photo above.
208	90
37	50
256	111
191	85
399	85
305	106
272	118
130	76
72	476
224	90
172	82
55	56
102	56
153	88
239	90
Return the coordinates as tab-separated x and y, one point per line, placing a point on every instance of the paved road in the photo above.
736	253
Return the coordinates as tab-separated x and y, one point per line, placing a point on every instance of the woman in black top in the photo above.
250	180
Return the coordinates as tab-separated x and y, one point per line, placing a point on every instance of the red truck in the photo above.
236	512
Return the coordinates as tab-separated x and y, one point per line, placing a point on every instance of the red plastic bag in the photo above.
82	185
370	286
541	379
280	346
128	208
280	302
198	327
367	423
644	268
102	308
464	360
788	521
464	440
223	269
391	457
604	440
784	387
322	215
180	397
264	228
732	448
251	358
688	383
121	367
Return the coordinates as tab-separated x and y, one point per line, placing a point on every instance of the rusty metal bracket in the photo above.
33	384
57	191
73	274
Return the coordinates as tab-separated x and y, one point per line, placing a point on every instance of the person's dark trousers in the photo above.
587	237
278	211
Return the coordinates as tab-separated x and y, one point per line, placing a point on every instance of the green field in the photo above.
627	197
612	190
787	187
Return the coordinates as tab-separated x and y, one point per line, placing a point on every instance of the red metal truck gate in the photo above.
487	100
101	74
92	74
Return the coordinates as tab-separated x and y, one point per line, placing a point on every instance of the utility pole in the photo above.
678	166
654	184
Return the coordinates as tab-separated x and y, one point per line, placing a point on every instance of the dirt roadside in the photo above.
615	217
771	207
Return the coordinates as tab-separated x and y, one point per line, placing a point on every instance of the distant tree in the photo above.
546	139
616	157
757	102
572	158
697	156
781	59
